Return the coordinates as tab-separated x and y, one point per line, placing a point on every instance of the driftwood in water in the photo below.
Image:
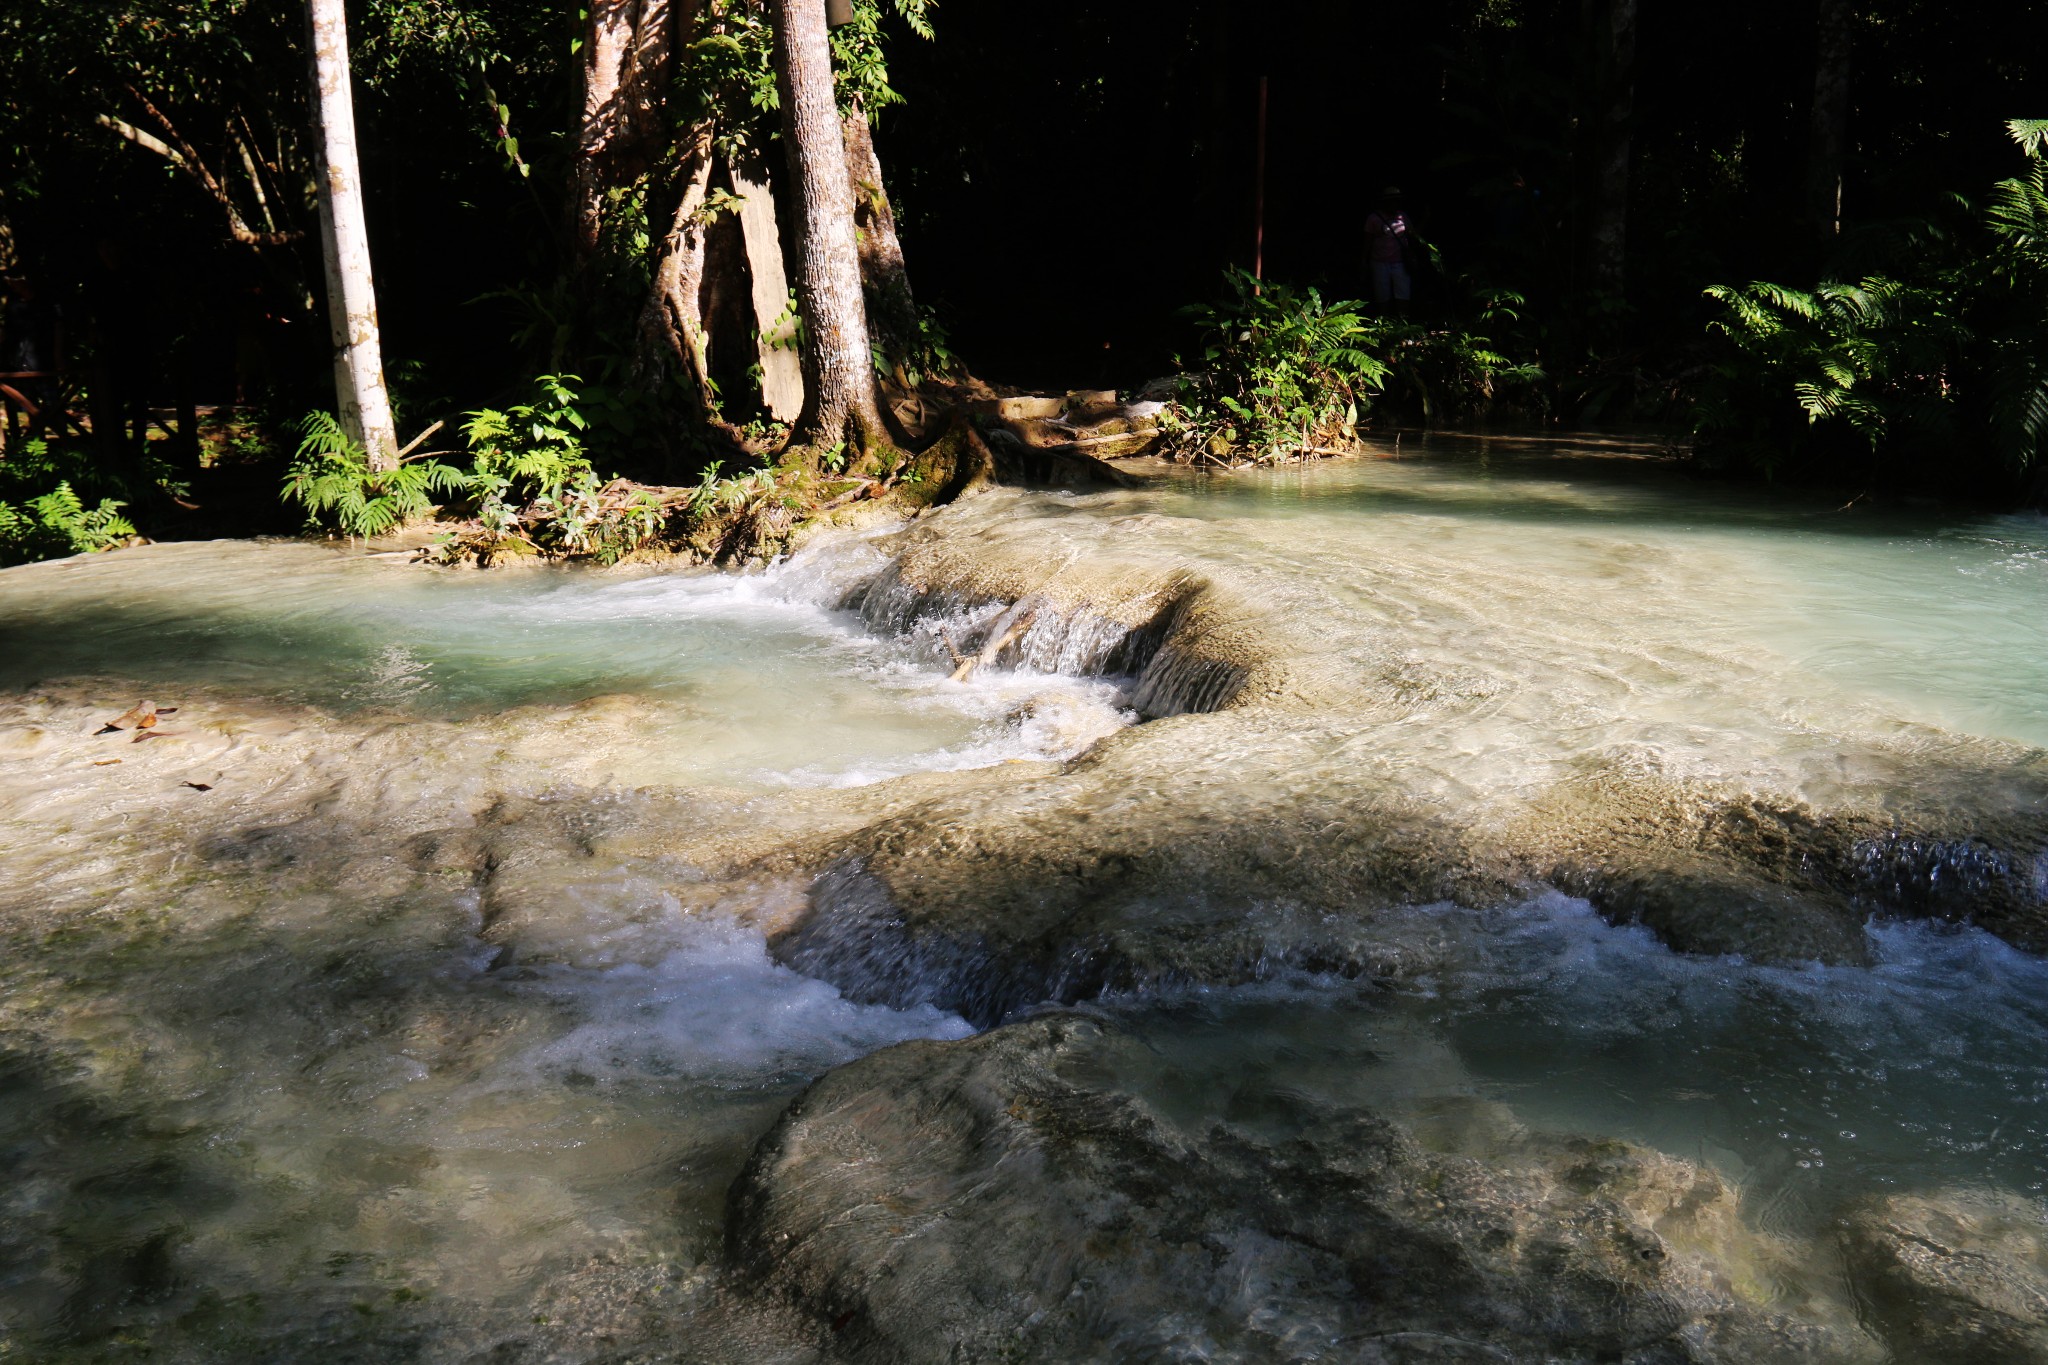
1008	629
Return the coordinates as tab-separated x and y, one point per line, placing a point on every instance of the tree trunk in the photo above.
841	402
673	343
782	369
892	312
1828	140
351	292
1610	207
628	48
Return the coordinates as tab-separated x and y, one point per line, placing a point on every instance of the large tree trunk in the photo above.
351	292
1610	202
841	402
782	369
674	346
1828	140
628	49
892	312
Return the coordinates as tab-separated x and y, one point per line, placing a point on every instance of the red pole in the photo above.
1259	210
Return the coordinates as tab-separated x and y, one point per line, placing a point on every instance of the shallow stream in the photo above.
413	994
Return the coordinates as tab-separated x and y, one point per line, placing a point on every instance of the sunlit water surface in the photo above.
326	1088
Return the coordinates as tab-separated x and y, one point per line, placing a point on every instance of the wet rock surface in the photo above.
435	1022
1278	803
1014	1198
1960	1275
1285	853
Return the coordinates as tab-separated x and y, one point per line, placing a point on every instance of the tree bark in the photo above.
782	369
628	49
892	311
673	341
1610	208
365	406
1828	138
841	401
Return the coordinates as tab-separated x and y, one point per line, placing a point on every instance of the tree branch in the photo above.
186	158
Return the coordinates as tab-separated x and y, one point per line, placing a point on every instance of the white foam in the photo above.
715	1009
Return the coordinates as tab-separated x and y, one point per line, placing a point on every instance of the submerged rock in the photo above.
1961	1276
1018	1197
1304	773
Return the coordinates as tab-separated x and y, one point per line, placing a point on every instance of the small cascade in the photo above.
1917	877
1139	638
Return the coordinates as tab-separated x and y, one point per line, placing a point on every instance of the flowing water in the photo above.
411	994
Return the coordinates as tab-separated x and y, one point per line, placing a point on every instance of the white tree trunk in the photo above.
841	401
345	243
782	369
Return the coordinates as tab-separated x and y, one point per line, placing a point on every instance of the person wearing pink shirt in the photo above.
1386	250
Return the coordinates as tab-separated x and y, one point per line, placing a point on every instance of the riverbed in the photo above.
421	986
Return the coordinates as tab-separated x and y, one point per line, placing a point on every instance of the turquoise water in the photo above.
437	1024
1941	615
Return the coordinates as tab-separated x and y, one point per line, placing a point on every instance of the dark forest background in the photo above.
1067	176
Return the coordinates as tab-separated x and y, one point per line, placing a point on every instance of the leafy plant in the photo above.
1452	372
600	521
57	523
1872	357
532	449
929	354
1284	374
2017	271
1937	356
531	486
331	478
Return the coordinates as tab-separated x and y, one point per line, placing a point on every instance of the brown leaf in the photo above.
142	714
197	786
105	762
141	735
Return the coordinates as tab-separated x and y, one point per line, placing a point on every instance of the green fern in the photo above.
1285	372
331	478
60	523
1948	352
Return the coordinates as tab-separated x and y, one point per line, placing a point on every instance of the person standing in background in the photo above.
1386	251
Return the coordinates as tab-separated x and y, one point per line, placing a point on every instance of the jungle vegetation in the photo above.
639	262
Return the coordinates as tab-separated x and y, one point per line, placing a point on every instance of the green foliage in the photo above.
531	449
1453	373
605	522
1873	357
729	74
1286	373
2016	278
858	58
528	488
929	354
1943	354
1283	374
331	479
531	484
56	523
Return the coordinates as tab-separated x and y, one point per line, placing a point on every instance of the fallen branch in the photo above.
421	439
1007	630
